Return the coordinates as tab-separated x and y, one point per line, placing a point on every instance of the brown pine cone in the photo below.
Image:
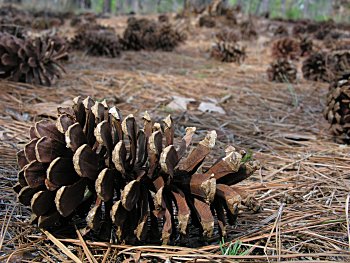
32	61
97	43
228	35
337	110
207	21
282	70
228	52
306	46
95	167
316	68
286	48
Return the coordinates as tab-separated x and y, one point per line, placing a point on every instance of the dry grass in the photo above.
303	183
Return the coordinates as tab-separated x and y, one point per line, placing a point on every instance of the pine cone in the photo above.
281	31
282	70
17	31
228	52
94	167
227	35
298	30
134	33
97	43
248	30
168	38
316	68
31	61
339	63
207	21
337	110
163	18
306	46
286	48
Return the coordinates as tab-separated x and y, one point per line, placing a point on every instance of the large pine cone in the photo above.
337	110
316	68
228	52
32	61
97	43
282	70
286	48
95	167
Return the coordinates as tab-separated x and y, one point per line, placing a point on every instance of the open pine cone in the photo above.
282	70
97	43
228	52
95	167
316	67
286	48
337	110
32	61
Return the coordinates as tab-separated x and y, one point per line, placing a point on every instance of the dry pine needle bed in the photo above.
303	183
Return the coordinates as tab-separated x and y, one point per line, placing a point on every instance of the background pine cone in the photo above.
306	46
282	70
286	48
337	110
32	61
93	166
228	52
316	67
228	35
97	43
207	21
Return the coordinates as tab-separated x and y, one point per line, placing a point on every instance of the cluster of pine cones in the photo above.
94	167
330	64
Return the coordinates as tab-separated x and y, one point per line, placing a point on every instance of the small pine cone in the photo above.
281	31
298	30
228	52
337	110
230	16
97	43
248	30
163	18
286	48
150	35
168	38
306	46
95	167
134	33
227	35
316	68
31	61
282	70
42	23
339	63
207	21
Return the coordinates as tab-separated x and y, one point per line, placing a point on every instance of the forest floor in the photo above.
303	183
